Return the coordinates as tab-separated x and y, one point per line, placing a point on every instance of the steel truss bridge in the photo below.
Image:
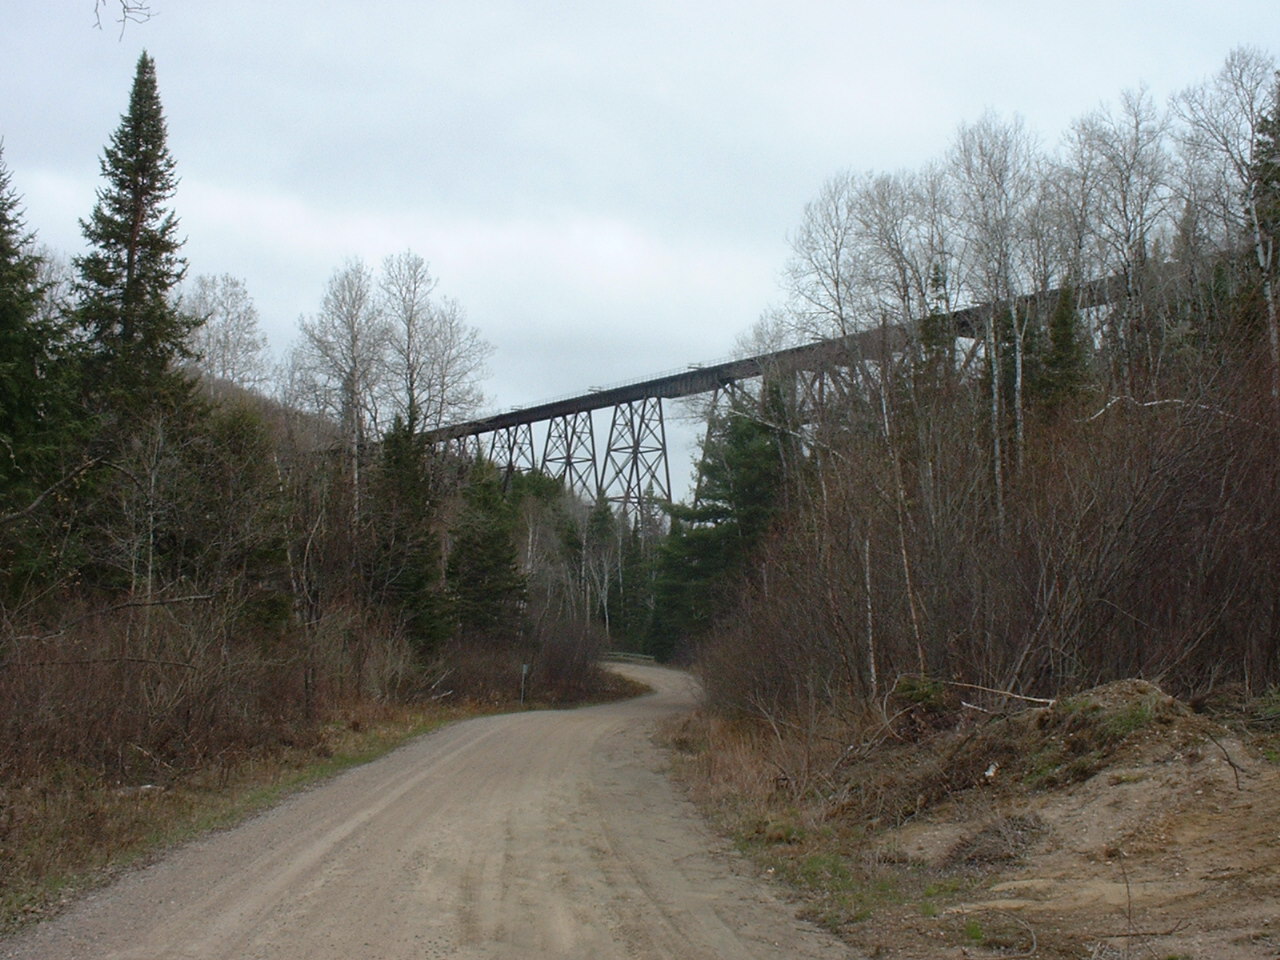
559	439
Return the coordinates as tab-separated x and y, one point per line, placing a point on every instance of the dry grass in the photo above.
743	778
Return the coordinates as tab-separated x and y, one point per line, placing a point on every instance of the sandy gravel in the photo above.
534	835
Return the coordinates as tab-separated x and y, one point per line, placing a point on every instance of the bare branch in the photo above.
1174	401
999	693
35	504
121	606
130	12
92	661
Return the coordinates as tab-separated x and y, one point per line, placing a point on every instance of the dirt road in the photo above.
533	835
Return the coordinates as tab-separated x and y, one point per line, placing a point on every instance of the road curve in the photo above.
532	835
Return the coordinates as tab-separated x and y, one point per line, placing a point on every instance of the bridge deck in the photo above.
633	469
821	354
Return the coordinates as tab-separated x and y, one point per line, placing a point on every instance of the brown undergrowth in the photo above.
1115	823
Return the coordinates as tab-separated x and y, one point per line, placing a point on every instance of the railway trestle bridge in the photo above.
631	468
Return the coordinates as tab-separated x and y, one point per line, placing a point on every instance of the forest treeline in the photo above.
1055	495
201	554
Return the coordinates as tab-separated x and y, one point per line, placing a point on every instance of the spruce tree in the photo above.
711	542
39	425
482	572
34	383
406	571
134	331
1264	195
1064	373
1265	174
20	343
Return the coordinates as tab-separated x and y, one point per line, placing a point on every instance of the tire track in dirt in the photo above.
537	835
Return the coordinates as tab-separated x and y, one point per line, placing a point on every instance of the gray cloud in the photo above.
607	188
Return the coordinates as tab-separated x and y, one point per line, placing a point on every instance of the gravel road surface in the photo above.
532	835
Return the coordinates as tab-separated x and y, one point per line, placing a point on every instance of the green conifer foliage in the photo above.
1064	372
1266	176
631	606
24	347
406	570
39	422
482	572
124	285
711	542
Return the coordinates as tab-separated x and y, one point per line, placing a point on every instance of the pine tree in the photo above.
134	331
1064	372
20	346
35	412
710	543
484	578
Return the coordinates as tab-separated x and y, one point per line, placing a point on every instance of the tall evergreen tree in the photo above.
710	543
631	597
35	386
482	571
406	571
134	331
1064	372
1266	167
1264	197
38	419
21	343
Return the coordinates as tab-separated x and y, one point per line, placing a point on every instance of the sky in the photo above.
607	188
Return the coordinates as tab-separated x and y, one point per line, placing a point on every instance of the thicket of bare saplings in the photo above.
1141	542
1056	493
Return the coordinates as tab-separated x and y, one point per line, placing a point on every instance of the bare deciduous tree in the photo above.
1132	197
131	11
340	360
821	275
993	164
228	343
1222	118
434	358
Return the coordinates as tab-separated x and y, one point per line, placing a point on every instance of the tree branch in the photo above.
90	661
131	11
1163	403
119	606
35	504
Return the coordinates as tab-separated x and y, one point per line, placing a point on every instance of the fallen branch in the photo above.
1176	928
1000	693
151	756
1234	768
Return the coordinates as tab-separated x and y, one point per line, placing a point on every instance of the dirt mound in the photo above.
1114	823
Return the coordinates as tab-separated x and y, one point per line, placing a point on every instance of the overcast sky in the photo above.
606	187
